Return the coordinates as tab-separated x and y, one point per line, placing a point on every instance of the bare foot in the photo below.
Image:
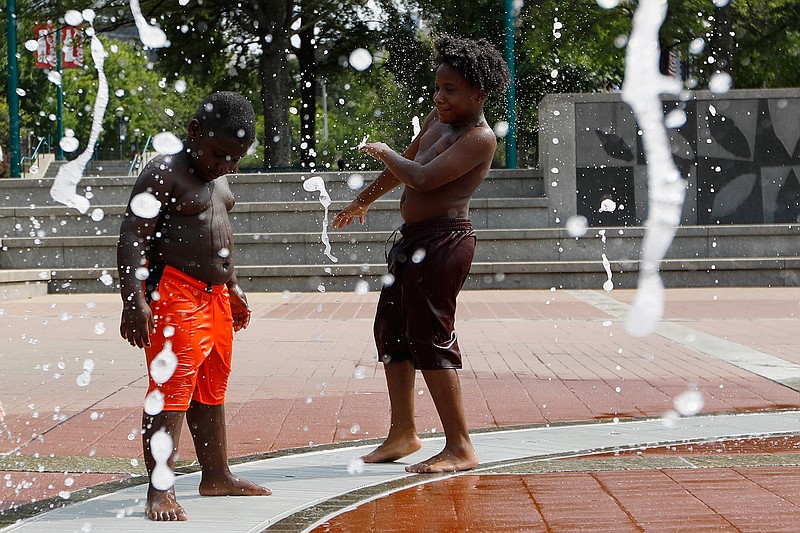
392	450
163	507
230	485
446	461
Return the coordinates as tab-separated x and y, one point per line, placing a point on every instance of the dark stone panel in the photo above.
597	184
605	135
729	192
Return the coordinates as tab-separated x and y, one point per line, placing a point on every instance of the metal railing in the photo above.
29	159
139	159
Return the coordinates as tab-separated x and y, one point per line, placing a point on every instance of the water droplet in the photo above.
356	466
154	402
69	143
608	205
675	118
145	205
355	181
360	59
99	328
697	45
418	255
164	364
73	17
577	226
362	287
141	273
83	379
166	143
501	128
98	214
720	82
689	403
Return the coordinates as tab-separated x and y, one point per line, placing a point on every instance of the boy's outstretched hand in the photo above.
375	150
345	218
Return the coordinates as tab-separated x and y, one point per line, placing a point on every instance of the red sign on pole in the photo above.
71	46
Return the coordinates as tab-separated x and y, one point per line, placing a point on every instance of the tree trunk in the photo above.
273	18
274	98
308	97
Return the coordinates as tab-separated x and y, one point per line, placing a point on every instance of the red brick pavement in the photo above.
304	373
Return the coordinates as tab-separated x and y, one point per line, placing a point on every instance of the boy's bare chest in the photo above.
208	199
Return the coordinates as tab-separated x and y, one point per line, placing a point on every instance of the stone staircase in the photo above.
277	226
95	168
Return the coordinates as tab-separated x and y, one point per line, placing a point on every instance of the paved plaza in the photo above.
573	418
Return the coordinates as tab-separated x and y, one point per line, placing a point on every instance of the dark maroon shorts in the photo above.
416	313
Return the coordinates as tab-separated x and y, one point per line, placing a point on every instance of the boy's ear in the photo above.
195	130
481	95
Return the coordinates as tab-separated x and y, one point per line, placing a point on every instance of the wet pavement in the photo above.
306	398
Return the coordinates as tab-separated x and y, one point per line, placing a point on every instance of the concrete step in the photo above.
279	187
254	217
494	246
94	168
739	272
27	283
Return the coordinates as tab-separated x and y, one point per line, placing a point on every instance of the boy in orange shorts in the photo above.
414	322
177	236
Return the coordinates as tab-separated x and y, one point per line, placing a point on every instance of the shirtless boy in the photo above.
191	302
414	321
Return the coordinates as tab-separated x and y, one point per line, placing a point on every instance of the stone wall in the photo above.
739	153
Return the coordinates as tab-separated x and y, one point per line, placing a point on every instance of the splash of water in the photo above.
316	183
64	188
151	36
164	364
609	284
415	127
642	89
162	477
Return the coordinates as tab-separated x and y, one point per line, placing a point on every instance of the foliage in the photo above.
574	46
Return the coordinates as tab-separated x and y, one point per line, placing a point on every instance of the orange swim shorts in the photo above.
192	320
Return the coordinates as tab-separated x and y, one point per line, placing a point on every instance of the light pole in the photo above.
511	135
119	112
13	97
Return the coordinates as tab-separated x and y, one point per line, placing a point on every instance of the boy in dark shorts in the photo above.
177	236
414	321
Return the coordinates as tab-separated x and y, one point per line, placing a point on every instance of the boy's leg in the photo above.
207	424
162	504
458	453
402	439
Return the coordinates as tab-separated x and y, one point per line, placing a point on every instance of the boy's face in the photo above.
456	99
214	155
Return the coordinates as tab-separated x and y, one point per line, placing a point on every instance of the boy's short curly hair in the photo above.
228	113
479	61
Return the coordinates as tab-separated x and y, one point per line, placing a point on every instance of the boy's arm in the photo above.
385	182
240	309
133	249
473	149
